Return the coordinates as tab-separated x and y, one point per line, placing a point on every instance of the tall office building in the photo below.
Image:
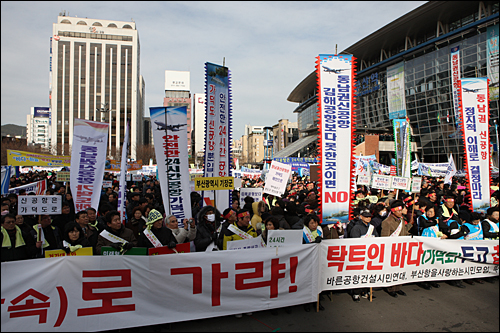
95	75
177	94
199	115
38	127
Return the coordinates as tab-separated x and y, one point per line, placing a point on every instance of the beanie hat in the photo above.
153	216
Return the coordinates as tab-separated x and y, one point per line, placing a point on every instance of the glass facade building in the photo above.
422	40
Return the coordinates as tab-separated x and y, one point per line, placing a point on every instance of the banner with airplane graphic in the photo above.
88	160
336	80
475	117
218	128
169	126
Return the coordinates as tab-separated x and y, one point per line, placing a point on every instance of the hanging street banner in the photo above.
112	165
88	159
336	80
25	158
455	82
38	188
396	91
475	115
169	125
492	60
218	129
402	147
122	188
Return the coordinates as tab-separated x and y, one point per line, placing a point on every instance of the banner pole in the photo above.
317	305
371	293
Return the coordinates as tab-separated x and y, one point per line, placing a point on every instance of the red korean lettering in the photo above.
356	254
496	255
398	254
212	88
375	251
88	293
217	276
222	131
197	276
411	250
481	98
31	308
258	272
336	253
481	108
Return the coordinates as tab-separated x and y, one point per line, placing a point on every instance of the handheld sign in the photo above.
277	178
135	251
180	248
39	204
62	176
363	180
255	193
245	244
381	182
416	184
84	251
282	238
401	183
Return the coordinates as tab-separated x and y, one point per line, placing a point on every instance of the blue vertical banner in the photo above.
475	118
123	172
218	129
402	147
336	80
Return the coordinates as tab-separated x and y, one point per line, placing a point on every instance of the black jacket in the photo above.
206	231
360	229
164	235
27	251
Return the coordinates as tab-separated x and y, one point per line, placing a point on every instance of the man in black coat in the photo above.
16	244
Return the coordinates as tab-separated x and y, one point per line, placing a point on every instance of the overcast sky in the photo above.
270	47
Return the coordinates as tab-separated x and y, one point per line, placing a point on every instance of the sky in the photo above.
269	47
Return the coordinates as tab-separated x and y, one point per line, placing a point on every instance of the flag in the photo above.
5	179
123	184
452	170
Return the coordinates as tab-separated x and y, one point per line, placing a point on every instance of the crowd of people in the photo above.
439	210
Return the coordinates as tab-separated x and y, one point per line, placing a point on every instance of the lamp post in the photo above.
105	110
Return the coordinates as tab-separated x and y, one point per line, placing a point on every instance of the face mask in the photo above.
383	213
211	217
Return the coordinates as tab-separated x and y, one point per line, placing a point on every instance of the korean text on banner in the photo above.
402	147
255	193
111	292
475	115
39	204
277	178
386	261
335	75
396	91
88	160
455	81
122	189
213	183
218	127
38	188
25	158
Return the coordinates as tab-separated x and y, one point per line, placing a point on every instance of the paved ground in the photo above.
449	309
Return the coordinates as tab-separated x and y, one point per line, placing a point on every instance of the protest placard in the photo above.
84	251
363	180
39	204
180	248
416	184
62	176
282	238
277	178
213	183
245	244
255	193
381	182
400	183
136	178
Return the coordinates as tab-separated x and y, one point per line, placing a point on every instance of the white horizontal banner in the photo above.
102	293
385	261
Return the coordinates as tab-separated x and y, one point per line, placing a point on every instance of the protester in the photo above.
206	232
137	222
73	238
16	244
182	235
122	238
51	239
156	234
239	230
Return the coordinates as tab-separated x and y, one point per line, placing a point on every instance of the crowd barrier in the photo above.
94	293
